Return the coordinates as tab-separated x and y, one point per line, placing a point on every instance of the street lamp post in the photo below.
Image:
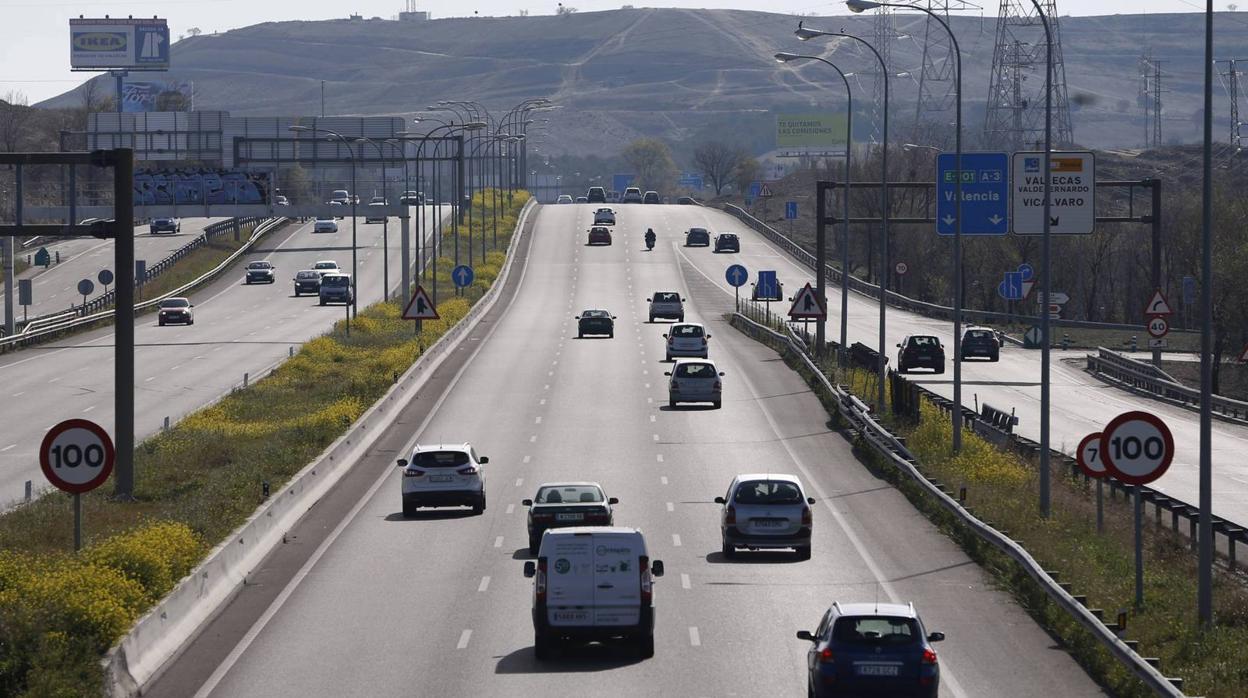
806	34
1204	593
385	223
820	271
860	6
355	308
1045	264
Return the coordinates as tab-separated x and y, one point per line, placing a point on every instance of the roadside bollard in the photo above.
292	352
264	490
29	490
58	256
962	495
246	376
166	426
1065	341
1134	343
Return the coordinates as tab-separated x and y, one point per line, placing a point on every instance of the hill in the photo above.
676	73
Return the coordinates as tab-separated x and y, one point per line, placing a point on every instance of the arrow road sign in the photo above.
1011	289
1158	305
420	307
1137	447
76	455
806	305
462	275
85	287
790	210
737	275
105	276
985	193
1055	297
768	287
1072	209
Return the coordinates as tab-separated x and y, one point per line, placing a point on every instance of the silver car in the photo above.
694	380
766	511
687	339
335	288
667	304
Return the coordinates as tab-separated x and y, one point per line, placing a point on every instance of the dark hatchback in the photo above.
595	322
697	237
596	195
727	242
980	341
872	649
307	281
599	236
559	505
920	351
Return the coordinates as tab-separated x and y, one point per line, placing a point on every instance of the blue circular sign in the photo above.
737	275
462	275
1026	271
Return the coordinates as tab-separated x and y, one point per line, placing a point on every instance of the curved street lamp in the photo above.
354	198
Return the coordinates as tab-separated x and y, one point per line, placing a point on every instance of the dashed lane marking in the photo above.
463	640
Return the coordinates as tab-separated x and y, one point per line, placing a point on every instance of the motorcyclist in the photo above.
650	238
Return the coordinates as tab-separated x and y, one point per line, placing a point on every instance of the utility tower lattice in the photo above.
885	32
1150	99
1015	117
937	85
1231	82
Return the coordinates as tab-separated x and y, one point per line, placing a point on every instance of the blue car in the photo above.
871	649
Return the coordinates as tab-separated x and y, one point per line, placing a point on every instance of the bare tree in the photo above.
746	170
651	159
717	160
15	115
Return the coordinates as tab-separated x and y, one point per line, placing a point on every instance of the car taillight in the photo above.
539	582
731	516
825	656
646	586
600	515
929	656
470	470
719	385
807	519
410	472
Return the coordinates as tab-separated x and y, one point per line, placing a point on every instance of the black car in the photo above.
261	273
685	201
920	351
651	197
755	295
700	237
596	195
558	505
980	341
308	280
727	242
595	322
165	225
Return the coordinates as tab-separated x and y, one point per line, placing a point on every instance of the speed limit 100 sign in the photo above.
76	455
1136	447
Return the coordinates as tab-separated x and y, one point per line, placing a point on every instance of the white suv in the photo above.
443	475
766	511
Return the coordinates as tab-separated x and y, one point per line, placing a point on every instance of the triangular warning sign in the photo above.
1243	355
1158	305
806	305
420	307
1027	286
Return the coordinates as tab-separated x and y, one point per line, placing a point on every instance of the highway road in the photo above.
238	329
1081	403
366	603
55	289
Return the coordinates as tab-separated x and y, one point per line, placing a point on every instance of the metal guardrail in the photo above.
1129	373
897	300
52	324
890	448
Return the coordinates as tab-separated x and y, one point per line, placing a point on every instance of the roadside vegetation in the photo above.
60	611
1003	488
19	266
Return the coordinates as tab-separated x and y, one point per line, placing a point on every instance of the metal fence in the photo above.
1126	372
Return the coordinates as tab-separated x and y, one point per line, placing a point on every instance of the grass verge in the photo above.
1004	488
19	266
194	484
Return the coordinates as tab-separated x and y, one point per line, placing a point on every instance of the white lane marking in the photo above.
463	640
55	379
197	358
694	638
650	400
675	540
656	437
19	394
671	506
498	542
519	481
174	368
652	418
647	385
684	581
645	373
88	409
533	438
538	420
8	447
542	401
528	458
546	387
511	508
149	380
663	479
658	457
550	373
485	583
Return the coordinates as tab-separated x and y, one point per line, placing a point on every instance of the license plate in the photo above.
924	357
440	478
570	616
877	670
569	517
770	523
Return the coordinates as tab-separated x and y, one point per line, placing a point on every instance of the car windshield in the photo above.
309	274
874	631
440	459
980	334
767	492
924	342
667	298
340	193
324	220
336	281
259	265
175	303
325	265
378	200
727	236
595	313
564	494
694	370
697	231
687	331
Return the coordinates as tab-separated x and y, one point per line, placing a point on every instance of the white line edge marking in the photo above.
464	637
694	638
511	508
498	542
671	506
485	583
684	581
676	540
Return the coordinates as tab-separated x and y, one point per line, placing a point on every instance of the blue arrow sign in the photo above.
1027	272
462	275
768	286
1011	288
790	210
985	194
737	275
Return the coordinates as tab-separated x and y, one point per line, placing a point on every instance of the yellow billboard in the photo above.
810	130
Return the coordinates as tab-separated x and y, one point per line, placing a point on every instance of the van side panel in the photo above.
617	579
569	579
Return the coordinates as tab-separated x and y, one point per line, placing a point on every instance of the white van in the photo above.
593	583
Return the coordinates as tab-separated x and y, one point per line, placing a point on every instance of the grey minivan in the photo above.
694	380
335	288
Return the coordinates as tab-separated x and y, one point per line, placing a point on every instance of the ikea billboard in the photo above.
118	44
811	130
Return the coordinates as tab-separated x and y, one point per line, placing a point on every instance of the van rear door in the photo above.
569	578
617	578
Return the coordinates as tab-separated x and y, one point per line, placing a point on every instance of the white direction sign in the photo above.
1073	193
1089	456
1137	447
76	455
1055	297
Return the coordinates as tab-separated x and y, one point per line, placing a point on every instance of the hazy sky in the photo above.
34	58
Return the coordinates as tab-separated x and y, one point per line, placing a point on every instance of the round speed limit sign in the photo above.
1136	447
77	455
1089	456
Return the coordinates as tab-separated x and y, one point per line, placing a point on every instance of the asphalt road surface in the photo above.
238	329
379	605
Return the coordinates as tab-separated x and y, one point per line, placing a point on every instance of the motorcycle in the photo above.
649	242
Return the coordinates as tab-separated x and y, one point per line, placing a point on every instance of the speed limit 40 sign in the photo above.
1136	447
77	456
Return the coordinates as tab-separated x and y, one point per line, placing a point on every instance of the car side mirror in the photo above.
664	335
720	500
942	346
806	635
898	346
721	373
530	569
612	317
708	336
667	373
682	300
192	305
935	637
810	500
656	568
483	460
649	300
612	500
402	462
527	502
